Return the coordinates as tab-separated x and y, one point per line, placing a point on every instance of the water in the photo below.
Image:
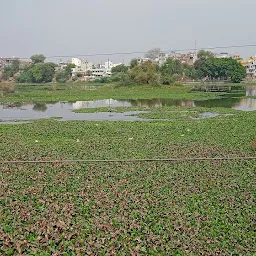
63	110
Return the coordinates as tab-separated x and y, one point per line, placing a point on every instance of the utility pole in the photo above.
195	58
196	47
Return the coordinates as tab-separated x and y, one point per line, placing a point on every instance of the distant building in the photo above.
109	65
251	68
4	62
142	60
61	66
223	55
77	62
245	63
81	67
236	56
161	58
186	58
90	71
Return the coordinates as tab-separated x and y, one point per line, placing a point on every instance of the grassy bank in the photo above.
155	208
83	91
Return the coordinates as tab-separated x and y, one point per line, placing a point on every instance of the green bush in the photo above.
116	77
156	80
62	76
24	77
177	83
126	79
39	73
119	69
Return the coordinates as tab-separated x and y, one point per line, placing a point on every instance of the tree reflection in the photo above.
40	107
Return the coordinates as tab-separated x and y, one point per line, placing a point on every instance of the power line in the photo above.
128	160
143	52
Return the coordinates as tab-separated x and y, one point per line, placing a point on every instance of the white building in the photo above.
109	65
223	55
141	60
251	68
98	72
5	62
161	58
89	71
81	67
77	62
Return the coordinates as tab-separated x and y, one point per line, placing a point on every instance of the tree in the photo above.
134	62
202	54
7	73
156	79
143	73
48	71
172	70
11	70
171	66
119	68
220	68
25	77
202	64
190	72
153	53
238	75
40	73
15	66
238	72
126	79
37	73
62	76
69	68
38	58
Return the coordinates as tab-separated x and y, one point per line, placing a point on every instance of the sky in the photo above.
77	27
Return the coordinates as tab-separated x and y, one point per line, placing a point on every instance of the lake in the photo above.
236	99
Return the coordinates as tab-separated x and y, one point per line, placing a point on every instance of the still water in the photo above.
28	111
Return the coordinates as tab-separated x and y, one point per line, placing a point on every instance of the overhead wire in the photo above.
127	160
144	52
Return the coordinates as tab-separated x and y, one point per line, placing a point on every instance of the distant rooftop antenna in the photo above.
196	48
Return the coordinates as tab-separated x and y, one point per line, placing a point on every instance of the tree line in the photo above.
206	67
149	72
38	71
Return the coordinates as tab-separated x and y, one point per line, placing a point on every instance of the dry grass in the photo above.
7	87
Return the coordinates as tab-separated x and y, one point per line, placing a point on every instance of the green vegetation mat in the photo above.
82	92
168	113
156	109
144	208
132	209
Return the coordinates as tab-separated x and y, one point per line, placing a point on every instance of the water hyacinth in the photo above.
129	208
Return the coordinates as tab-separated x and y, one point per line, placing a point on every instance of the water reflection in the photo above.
41	107
24	111
251	91
246	104
100	103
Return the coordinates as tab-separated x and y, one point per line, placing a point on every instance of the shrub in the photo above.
7	87
156	79
126	79
177	83
62	76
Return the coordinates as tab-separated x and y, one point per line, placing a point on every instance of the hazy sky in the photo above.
70	27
